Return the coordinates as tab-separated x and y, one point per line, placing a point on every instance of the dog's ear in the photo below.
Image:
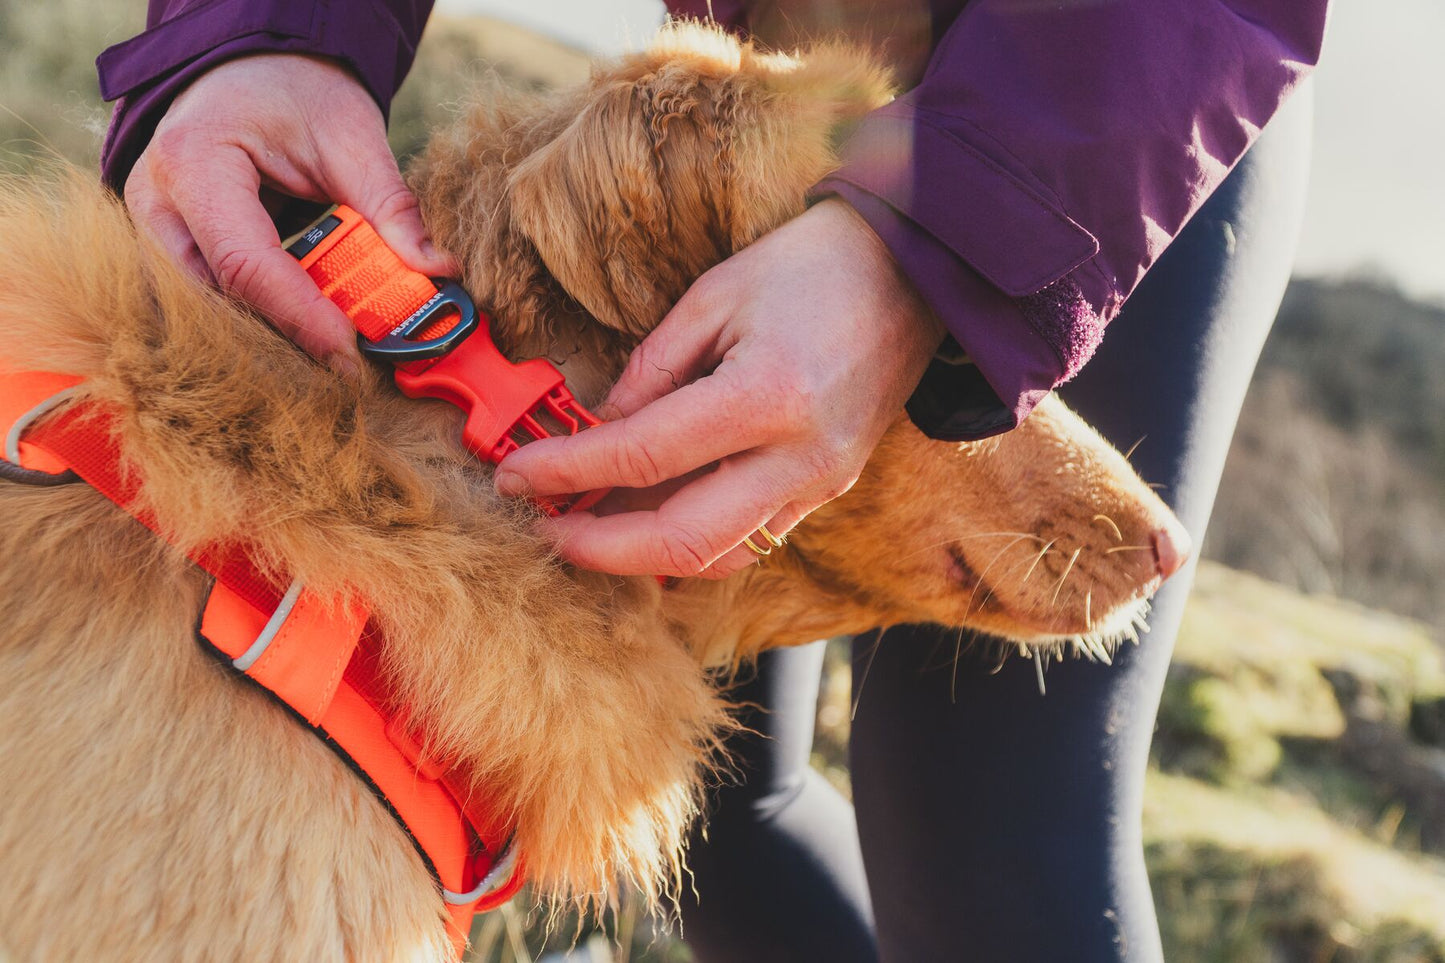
837	82
624	205
679	157
789	129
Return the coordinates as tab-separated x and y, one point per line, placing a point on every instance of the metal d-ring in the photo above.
10	467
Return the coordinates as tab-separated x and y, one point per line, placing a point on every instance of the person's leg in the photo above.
778	875
998	824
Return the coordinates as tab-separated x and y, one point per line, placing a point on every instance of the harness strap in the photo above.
318	658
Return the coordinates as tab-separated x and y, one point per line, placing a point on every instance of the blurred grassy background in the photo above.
1296	802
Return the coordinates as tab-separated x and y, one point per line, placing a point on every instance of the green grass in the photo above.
1268	836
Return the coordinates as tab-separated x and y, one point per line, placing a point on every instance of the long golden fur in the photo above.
152	805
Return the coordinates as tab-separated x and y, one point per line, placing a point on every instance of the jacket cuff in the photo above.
1017	348
1004	367
147	72
1016	235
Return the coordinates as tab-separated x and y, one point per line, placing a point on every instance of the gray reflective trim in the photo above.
500	876
278	618
12	438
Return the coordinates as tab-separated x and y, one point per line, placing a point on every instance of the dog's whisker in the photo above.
931	546
1037	559
867	666
1111	523
514	934
1062	578
953	676
1128	548
1134	447
982	576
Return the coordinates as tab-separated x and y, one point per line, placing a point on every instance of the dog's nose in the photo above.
1171	548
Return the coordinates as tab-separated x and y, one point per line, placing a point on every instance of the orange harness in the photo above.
319	662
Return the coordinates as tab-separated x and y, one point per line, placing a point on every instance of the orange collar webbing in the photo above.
439	342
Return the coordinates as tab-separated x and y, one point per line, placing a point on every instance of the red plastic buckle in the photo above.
507	404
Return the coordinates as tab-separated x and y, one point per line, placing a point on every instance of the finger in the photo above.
694	426
158	219
224	214
168	229
681	349
741	557
369	181
693	530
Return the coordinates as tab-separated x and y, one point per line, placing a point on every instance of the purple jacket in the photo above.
1046	157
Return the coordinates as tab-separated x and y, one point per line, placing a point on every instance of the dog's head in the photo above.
580	222
582	218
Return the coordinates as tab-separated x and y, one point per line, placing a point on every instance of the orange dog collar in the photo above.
439	343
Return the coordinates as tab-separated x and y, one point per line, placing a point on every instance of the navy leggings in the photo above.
996	824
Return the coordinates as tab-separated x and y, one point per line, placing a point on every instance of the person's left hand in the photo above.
782	366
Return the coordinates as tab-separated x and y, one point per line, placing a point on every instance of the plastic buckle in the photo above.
506	404
398	346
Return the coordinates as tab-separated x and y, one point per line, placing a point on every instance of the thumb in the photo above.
371	183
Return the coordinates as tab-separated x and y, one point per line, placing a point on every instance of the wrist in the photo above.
917	324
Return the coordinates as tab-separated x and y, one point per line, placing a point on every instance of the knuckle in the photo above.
140	193
395	201
836	483
173	150
702	292
237	269
705	295
648	360
634	463
684	551
791	407
168	144
823	463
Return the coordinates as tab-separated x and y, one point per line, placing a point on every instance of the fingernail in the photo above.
510	483
345	365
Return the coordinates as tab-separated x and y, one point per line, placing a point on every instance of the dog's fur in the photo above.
152	804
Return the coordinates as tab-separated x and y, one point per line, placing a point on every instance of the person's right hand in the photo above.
291	123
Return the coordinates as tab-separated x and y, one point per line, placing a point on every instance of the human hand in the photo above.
783	365
252	129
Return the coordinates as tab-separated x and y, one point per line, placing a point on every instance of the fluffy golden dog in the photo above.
150	805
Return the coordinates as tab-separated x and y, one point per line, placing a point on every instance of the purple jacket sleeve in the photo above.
1047	158
185	38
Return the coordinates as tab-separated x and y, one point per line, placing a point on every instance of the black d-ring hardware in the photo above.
397	347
